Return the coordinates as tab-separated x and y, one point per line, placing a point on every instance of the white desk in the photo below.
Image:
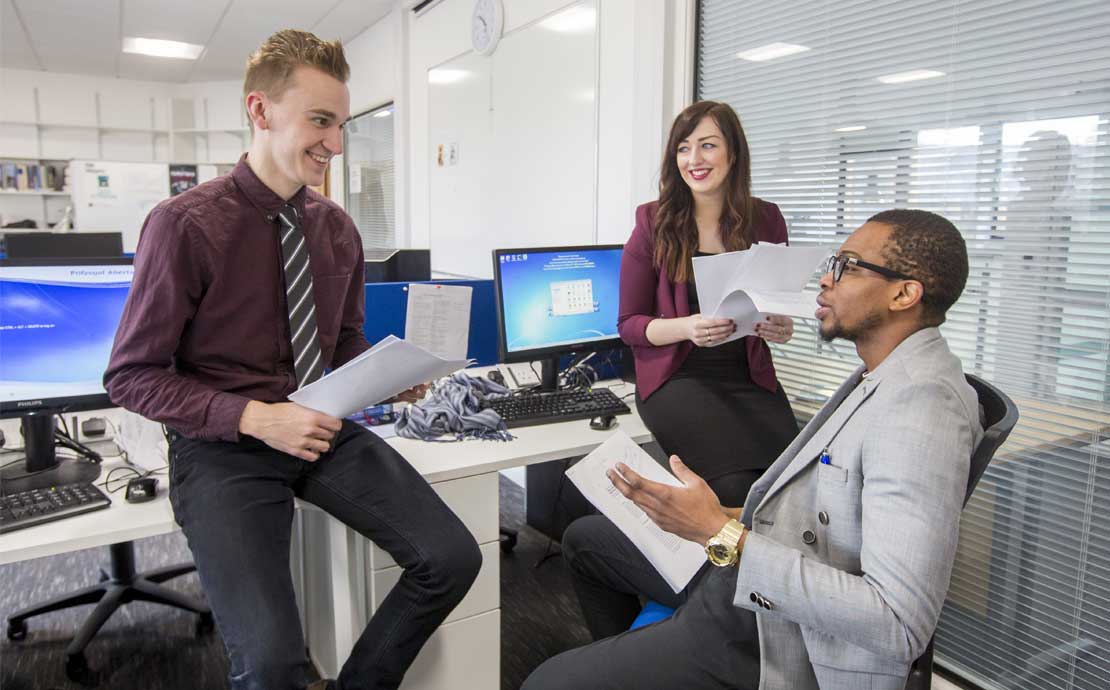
344	576
341	577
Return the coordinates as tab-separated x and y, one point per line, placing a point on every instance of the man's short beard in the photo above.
854	334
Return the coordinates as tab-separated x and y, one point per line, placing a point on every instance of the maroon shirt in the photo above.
648	294
205	329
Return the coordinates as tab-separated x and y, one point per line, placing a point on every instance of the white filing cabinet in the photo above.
343	577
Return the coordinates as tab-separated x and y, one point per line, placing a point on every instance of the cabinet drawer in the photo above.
473	499
463	654
483	595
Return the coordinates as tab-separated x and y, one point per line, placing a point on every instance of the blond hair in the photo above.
270	68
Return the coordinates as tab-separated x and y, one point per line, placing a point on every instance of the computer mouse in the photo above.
496	376
603	422
141	489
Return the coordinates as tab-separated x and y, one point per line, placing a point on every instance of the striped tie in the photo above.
298	299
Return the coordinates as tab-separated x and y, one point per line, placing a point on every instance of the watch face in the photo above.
718	553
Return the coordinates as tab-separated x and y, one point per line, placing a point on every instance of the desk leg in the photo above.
348	579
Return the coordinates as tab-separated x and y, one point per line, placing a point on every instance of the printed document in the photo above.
676	559
388	368
438	319
766	279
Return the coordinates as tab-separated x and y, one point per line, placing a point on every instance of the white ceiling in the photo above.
85	36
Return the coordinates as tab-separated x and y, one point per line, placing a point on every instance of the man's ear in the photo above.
258	107
910	293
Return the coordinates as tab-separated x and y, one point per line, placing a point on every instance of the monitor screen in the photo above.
557	299
57	324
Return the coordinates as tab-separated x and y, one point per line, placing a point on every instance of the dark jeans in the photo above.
234	502
708	644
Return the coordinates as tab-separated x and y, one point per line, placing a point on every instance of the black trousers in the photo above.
708	644
234	502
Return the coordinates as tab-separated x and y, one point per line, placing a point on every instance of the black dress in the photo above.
722	425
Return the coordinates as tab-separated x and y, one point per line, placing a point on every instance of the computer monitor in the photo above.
58	319
59	245
553	301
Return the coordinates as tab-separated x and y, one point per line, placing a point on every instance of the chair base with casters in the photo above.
117	587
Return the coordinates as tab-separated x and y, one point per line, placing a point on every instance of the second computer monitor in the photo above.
556	300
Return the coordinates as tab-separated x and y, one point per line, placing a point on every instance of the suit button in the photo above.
768	605
823	517
754	597
809	537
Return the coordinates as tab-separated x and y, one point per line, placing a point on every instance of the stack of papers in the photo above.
383	371
676	559
766	279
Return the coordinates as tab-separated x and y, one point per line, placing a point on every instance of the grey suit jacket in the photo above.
848	562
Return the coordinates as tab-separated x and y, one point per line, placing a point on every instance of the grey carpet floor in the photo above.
144	646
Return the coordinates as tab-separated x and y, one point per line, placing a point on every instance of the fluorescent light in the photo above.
446	76
576	20
383	113
912	75
851	128
159	48
771	51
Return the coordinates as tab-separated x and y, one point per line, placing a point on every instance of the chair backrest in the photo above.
998	414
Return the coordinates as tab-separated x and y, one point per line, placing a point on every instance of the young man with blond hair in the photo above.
246	288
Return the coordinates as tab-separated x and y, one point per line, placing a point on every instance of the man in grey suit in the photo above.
833	573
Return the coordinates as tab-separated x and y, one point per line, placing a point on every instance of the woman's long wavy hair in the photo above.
676	232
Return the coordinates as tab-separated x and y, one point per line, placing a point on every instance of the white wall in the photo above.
643	80
76	115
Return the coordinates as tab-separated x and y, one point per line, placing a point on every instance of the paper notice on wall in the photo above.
354	178
438	319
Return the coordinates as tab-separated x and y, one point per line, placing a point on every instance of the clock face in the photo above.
485	25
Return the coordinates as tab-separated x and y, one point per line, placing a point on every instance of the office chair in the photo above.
998	414
118	586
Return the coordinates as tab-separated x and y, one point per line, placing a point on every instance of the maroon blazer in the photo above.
647	294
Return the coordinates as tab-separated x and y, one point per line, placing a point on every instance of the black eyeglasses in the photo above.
836	263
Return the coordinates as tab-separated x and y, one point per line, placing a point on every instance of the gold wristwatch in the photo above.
722	549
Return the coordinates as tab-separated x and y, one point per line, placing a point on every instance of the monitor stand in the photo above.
42	467
549	374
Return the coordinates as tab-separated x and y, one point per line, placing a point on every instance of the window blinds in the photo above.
994	114
370	197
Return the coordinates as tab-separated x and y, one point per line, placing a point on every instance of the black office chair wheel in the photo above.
77	670
205	624
17	630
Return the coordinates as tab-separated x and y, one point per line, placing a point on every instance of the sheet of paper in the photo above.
749	285
676	559
438	319
391	366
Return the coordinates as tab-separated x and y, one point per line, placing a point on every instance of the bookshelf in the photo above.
154	129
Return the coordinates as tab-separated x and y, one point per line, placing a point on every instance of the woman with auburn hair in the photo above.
719	407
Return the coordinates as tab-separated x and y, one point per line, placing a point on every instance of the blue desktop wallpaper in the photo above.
581	307
56	332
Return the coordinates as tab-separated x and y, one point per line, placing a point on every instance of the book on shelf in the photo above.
32	177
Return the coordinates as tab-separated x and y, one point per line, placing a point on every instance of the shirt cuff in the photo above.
222	419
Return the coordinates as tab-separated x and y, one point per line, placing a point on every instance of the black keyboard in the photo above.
529	409
37	506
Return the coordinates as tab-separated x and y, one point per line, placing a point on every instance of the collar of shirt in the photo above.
262	197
